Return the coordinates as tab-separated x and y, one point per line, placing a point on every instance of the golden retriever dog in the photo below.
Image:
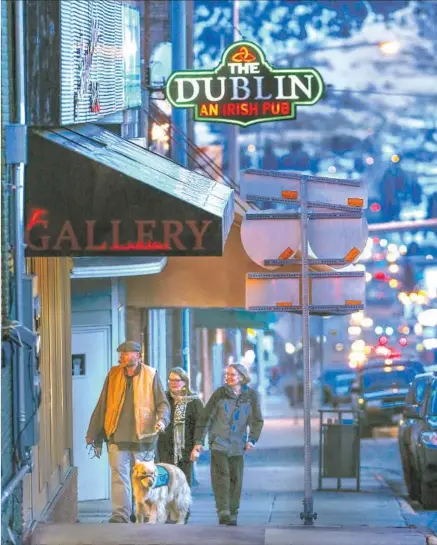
160	491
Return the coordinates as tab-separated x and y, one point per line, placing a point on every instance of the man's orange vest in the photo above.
144	400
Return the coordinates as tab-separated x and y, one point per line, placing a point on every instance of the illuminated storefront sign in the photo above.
114	237
244	89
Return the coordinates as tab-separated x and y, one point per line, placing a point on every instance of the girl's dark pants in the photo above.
226	480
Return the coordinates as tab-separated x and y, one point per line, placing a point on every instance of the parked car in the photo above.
341	391
418	440
379	392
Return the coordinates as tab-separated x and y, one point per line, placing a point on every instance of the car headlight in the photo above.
374	403
429	438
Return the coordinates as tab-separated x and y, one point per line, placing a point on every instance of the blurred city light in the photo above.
428	318
367	322
389	331
370	161
391	47
375	207
378	330
354	330
290	348
251	148
395	158
394	268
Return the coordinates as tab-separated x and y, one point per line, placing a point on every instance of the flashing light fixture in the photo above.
367	322
354	330
358	345
249	357
418	329
430	344
393	268
395	158
290	348
357	357
428	318
391	47
389	331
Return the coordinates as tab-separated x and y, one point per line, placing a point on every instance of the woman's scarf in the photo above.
180	410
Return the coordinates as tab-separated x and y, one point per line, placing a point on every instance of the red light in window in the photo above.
403	341
375	207
383	340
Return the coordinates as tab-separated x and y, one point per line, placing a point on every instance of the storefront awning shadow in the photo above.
90	192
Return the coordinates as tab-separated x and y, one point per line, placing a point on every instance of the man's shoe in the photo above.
117	519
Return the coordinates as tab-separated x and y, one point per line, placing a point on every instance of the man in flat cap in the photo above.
131	411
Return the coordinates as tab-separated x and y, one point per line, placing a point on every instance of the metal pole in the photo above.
308	514
179	62
15	481
18	181
178	31
233	149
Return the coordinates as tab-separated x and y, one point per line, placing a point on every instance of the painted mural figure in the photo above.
232	410
132	410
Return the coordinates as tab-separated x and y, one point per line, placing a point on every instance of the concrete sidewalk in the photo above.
120	534
270	507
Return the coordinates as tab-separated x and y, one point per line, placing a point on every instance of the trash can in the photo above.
339	446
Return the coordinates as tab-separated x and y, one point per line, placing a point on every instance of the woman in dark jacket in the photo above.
231	411
176	444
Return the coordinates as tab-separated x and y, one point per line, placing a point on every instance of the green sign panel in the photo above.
244	89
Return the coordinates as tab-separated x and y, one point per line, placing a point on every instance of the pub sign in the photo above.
244	89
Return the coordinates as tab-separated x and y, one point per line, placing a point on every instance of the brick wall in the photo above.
11	511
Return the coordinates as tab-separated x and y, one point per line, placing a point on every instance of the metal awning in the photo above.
90	192
116	267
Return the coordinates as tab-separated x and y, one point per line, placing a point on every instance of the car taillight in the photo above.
429	438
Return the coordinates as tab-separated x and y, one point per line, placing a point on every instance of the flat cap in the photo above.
129	346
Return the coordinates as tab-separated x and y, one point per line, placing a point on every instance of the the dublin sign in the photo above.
244	89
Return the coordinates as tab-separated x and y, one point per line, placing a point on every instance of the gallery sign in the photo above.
244	89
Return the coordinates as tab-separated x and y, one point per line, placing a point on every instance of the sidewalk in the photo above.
270	508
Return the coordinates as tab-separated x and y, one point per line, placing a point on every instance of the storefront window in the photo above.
131	53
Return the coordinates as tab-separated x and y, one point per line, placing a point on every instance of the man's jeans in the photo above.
122	462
